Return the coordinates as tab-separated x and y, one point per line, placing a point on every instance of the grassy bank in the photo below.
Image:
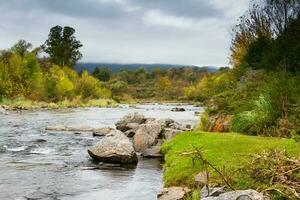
230	151
25	104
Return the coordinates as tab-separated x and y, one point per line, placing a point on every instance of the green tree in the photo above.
102	74
62	46
21	47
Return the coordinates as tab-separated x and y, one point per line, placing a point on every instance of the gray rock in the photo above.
239	195
114	148
169	133
177	109
177	126
146	136
122	124
153	152
173	193
165	123
102	131
197	113
133	125
213	192
130	133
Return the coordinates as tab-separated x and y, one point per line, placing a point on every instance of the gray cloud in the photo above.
150	31
182	8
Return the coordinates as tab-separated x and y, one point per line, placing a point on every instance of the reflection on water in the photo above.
35	164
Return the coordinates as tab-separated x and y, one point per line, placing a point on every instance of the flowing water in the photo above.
35	164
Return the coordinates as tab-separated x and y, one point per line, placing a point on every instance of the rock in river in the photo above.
125	123
114	148
102	131
146	136
177	109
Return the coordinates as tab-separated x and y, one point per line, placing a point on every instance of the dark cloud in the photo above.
75	8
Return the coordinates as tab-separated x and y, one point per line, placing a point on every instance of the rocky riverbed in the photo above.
36	163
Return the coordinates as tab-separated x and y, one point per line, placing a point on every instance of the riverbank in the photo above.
231	153
25	104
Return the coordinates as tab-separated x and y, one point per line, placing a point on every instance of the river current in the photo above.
36	164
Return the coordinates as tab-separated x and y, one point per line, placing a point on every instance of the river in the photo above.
35	164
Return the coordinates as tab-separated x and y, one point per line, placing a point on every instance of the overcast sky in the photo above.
130	31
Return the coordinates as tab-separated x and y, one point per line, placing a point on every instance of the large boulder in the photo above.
122	124
239	195
114	148
173	193
146	136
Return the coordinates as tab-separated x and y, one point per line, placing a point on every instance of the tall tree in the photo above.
21	47
62	46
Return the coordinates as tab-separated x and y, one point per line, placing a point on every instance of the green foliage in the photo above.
62	46
103	74
22	77
204	123
255	121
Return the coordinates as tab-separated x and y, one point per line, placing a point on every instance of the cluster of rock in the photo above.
179	193
135	134
220	194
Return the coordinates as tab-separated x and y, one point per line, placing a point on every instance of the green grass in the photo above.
229	150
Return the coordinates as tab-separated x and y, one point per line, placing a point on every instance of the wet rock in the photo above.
239	195
153	152
169	133
211	192
114	148
178	109
102	131
146	136
39	141
122	124
173	193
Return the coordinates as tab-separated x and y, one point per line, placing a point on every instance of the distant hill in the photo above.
114	67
